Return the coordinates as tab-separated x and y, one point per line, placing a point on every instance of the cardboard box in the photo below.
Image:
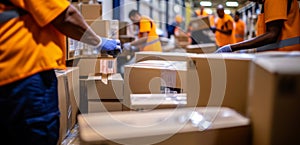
74	92
74	48
274	99
94	65
62	102
201	48
167	56
97	89
165	127
157	101
68	93
105	28
223	80
154	77
91	11
104	106
199	23
123	27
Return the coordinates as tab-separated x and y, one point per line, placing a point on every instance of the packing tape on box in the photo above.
104	78
169	78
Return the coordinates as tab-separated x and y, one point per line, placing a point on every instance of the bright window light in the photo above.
232	4
208	10
205	3
227	11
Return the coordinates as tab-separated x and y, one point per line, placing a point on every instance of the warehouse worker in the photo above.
239	27
148	40
278	29
174	26
200	12
224	30
32	45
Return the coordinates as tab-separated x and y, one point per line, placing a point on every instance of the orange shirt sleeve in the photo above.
145	26
43	11
275	10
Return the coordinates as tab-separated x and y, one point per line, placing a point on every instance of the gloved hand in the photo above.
110	46
223	49
213	29
127	46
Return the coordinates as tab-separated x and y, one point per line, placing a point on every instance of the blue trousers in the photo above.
29	113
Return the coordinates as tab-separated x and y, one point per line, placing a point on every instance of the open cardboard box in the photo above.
192	126
154	77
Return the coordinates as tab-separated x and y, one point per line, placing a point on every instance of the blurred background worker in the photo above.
148	40
239	27
175	25
32	45
200	12
278	29
224	28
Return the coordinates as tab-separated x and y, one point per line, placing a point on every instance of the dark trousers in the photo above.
29	113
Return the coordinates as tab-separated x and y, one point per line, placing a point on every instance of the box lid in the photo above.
132	124
160	64
280	64
229	56
158	99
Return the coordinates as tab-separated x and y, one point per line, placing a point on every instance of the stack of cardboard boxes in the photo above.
102	87
92	14
69	99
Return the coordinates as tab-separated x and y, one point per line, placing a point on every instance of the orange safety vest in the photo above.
29	43
225	23
289	39
153	41
239	31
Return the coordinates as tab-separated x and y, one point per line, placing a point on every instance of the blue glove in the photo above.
110	46
127	46
224	49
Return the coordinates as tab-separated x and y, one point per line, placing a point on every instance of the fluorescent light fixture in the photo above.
206	3
232	4
208	10
227	11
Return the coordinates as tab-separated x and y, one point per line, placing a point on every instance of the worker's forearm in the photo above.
259	41
140	42
72	24
226	32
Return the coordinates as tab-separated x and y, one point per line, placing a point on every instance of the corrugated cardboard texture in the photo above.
274	100
91	11
218	73
96	89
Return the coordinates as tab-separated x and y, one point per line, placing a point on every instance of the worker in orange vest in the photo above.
148	39
224	29
278	29
239	27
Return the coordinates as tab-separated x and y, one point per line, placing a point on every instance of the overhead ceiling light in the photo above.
227	11
232	4
206	3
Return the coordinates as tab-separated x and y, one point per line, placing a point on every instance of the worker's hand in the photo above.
224	49
213	29
110	46
127	46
